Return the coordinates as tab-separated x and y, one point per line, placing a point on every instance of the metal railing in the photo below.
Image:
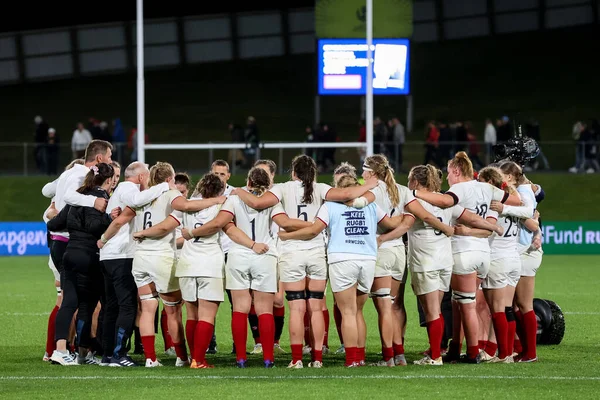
24	159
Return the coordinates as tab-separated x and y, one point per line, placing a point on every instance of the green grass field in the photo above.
567	370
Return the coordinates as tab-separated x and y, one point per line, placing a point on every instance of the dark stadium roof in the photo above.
29	15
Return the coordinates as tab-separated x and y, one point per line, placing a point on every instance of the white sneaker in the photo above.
573	170
590	171
182	363
152	364
257	349
315	364
277	349
296	365
429	361
506	360
400	360
46	357
61	358
485	357
306	350
341	350
326	350
89	359
170	352
383	363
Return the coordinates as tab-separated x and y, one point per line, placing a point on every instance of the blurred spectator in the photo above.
310	138
461	137
489	137
432	136
590	141
579	147
532	128
104	133
380	135
236	156
503	130
473	146
328	136
94	128
132	143
399	138
118	140
252	140
81	138
445	144
41	131
52	152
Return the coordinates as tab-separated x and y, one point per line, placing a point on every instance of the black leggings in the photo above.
57	252
82	282
120	309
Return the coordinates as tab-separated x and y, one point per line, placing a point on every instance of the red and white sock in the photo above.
317	355
239	329
50	342
398	349
490	348
266	327
202	337
351	355
530	325
501	330
388	353
472	351
181	350
360	354
190	332
482	344
326	336
435	331
148	344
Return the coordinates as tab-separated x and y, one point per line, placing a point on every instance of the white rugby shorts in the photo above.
530	262
345	274
155	268
296	266
430	281
256	272
467	262
503	272
201	288
391	261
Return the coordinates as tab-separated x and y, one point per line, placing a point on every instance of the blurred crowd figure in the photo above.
325	157
388	138
249	135
586	138
47	152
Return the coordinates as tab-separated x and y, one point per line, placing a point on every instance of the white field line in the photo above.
295	377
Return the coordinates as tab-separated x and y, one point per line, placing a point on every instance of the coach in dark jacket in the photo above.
81	278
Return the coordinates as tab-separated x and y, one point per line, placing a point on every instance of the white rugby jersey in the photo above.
201	256
127	194
382	199
225	241
155	213
290	195
256	224
476	197
504	246
428	248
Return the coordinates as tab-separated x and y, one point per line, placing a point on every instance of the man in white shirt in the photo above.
98	151
489	137
80	140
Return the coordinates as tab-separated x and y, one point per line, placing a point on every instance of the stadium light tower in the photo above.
141	128
369	92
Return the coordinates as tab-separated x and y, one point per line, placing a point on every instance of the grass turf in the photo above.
578	199
567	370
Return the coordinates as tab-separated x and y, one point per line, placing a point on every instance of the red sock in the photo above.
266	327
435	331
530	324
202	337
501	328
279	311
510	339
360	354
50	342
399	348
317	355
482	344
307	340
521	331
181	350
326	337
337	317
517	346
490	348
190	329
351	355
296	352
443	330
239	329
388	353
472	351
164	327
148	344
